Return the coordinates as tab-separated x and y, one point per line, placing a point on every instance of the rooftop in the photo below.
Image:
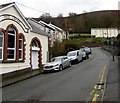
5	5
36	27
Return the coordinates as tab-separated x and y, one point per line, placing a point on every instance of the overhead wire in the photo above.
30	7
34	9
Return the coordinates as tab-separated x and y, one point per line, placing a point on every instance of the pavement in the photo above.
112	89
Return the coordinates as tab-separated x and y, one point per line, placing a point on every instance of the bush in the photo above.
75	44
58	49
61	48
74	36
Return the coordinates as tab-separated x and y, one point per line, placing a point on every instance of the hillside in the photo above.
83	23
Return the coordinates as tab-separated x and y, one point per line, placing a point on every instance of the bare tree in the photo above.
45	15
60	15
72	14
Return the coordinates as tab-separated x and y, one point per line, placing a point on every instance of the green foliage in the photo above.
73	36
58	49
61	48
85	35
75	44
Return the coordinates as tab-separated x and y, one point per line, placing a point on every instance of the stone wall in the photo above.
13	77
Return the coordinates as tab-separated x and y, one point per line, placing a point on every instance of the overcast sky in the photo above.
36	8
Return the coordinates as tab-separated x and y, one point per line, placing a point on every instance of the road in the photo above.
77	83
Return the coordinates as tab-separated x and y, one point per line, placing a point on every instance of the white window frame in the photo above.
14	46
21	49
2	44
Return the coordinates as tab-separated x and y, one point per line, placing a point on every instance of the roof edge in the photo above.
5	6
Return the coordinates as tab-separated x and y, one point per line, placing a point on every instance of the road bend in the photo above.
84	81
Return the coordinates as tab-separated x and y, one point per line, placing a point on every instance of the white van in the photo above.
75	56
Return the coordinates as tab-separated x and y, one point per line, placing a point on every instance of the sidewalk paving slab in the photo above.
112	88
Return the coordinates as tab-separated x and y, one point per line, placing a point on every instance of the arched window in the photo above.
11	54
21	48
34	43
13	45
1	45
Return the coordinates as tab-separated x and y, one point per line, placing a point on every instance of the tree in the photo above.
45	15
72	14
60	15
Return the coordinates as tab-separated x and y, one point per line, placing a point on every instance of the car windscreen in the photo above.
71	54
56	59
86	48
82	49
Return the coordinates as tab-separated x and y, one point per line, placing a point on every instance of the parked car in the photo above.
75	56
57	63
84	54
87	50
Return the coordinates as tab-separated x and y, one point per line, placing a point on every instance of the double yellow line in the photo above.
99	85
102	74
95	97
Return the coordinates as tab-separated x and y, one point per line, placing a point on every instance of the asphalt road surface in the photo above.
76	83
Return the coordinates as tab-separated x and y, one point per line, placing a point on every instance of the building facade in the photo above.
54	32
59	34
22	44
50	30
104	32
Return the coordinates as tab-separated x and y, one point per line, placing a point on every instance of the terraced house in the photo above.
23	45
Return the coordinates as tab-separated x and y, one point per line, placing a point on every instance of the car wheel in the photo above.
60	67
85	58
77	61
69	64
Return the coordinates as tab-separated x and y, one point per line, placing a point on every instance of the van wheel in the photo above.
82	60
77	61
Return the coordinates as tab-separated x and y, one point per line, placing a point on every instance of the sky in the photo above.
35	8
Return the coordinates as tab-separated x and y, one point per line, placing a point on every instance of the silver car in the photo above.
87	50
57	63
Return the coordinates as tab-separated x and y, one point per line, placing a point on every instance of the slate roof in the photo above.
55	27
33	24
46	25
36	27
